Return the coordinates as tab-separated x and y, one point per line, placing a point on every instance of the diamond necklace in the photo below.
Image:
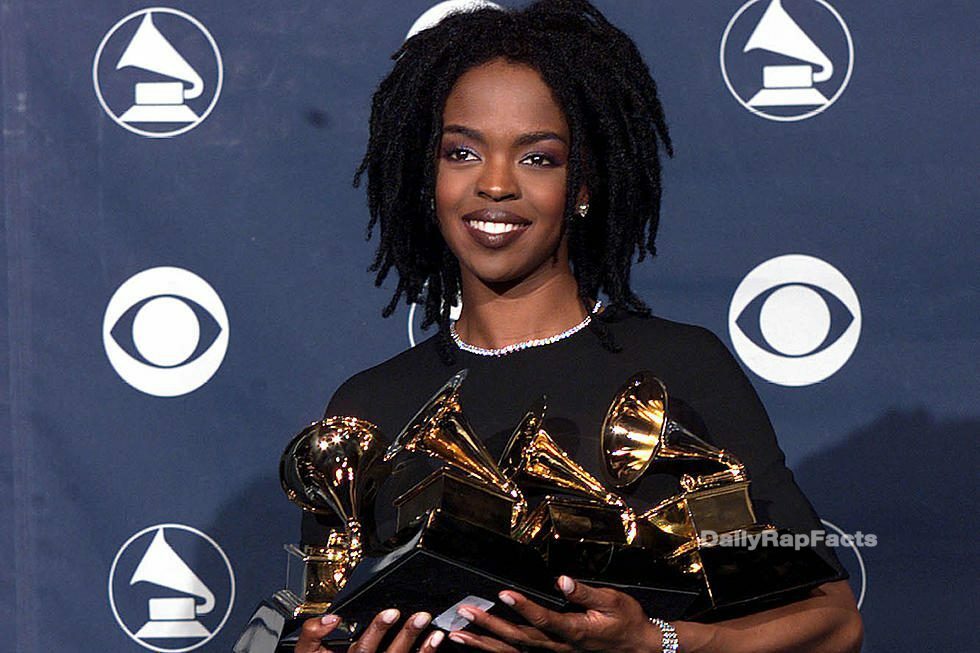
526	344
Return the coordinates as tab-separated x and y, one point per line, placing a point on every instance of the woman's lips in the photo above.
495	228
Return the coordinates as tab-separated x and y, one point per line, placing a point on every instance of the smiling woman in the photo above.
514	163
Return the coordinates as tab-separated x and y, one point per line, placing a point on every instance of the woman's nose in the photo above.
497	181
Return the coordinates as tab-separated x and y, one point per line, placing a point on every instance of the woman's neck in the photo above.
496	317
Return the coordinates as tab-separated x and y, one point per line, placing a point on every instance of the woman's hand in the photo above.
612	622
317	628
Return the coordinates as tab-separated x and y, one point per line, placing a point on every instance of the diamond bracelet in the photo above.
668	643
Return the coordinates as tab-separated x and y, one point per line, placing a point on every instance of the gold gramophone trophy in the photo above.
469	485
639	436
590	514
332	467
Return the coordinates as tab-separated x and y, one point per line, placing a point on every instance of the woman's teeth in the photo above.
493	227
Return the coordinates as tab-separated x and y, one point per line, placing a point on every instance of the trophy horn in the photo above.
638	430
334	467
532	457
441	431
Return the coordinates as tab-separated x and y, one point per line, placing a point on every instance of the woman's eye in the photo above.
460	154
539	160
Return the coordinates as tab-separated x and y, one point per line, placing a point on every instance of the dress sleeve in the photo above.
736	420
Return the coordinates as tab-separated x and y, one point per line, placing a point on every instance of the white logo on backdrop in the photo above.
795	320
137	99
174	615
166	331
863	587
434	14
799	78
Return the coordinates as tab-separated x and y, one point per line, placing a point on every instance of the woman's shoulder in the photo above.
638	330
395	374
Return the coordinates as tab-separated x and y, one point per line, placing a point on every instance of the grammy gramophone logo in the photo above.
171	588
787	60
158	72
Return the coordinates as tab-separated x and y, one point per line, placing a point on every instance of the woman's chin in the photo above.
498	277
504	272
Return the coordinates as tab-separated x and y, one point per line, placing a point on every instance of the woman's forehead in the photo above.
504	96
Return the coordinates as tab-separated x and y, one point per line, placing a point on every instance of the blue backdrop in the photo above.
186	285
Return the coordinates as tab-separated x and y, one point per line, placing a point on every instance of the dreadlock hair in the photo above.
617	129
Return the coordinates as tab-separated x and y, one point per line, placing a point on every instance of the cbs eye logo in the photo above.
153	327
434	15
794	320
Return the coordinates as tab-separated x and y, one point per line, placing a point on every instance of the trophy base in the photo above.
573	519
740	579
659	586
587	541
445	561
456	495
282	613
675	526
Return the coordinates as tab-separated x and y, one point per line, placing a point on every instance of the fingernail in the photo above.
389	616
465	614
456	638
435	639
566	584
507	599
329	619
421	620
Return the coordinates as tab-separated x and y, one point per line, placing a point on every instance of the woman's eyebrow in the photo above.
522	140
465	131
534	137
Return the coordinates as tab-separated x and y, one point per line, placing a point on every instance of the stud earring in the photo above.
582	209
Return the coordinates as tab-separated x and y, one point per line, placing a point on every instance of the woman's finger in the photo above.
432	642
594	598
313	631
511	634
369	641
500	627
567	627
481	642
410	631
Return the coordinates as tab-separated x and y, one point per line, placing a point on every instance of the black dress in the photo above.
709	393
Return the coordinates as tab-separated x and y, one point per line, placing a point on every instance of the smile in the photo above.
495	228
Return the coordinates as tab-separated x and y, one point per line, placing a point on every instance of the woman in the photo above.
514	162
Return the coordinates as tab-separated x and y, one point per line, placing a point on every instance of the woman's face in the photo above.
501	170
